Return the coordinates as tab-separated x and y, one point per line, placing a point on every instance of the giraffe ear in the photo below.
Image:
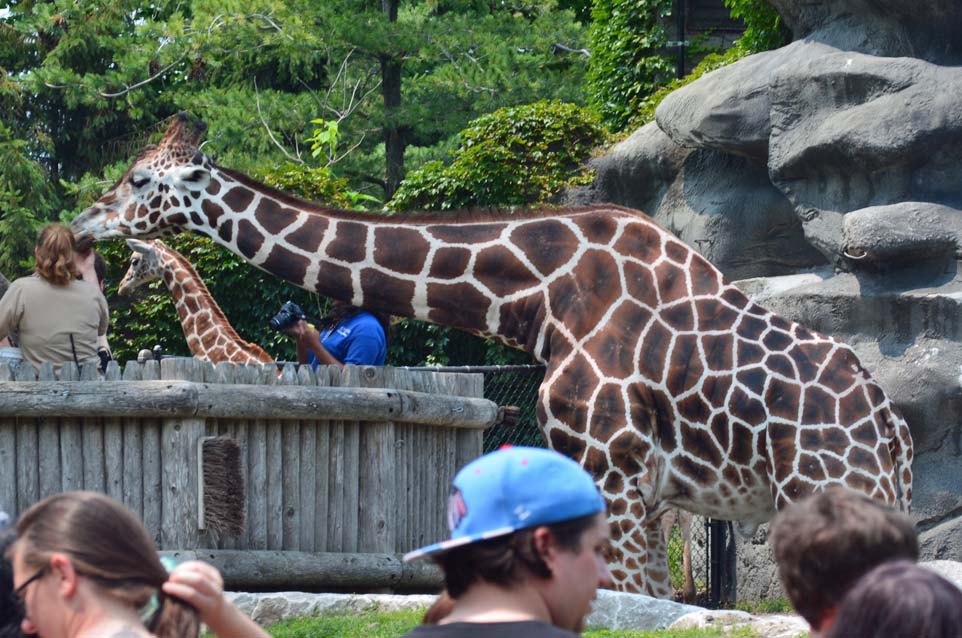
139	247
193	178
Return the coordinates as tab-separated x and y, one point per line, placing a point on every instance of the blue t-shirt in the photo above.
358	340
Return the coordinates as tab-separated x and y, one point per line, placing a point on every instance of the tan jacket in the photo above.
45	316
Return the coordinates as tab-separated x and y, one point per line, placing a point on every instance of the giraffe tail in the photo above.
900	448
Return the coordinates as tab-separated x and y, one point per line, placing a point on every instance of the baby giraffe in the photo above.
209	335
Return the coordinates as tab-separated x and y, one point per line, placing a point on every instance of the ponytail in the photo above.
174	619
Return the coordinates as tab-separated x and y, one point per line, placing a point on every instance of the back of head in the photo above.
55	254
9	609
108	545
900	600
826	542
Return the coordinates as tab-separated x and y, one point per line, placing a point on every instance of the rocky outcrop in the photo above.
849	134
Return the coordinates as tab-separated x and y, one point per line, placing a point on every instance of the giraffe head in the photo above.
145	265
159	190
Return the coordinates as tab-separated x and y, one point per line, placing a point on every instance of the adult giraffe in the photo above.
208	332
665	382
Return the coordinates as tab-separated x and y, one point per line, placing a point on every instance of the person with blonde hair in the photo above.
58	317
85	566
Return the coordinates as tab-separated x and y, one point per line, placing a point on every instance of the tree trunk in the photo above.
394	133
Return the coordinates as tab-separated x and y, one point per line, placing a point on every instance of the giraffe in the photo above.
209	334
662	380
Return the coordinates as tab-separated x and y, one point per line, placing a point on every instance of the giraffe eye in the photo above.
138	180
195	175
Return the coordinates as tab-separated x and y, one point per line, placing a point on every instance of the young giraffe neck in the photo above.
209	334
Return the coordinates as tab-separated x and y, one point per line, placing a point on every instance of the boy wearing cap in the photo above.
527	548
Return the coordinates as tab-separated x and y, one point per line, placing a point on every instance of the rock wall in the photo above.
840	150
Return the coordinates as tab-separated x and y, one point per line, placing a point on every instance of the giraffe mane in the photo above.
459	216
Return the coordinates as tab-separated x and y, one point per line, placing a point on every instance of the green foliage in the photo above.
764	29
626	38
317	184
513	157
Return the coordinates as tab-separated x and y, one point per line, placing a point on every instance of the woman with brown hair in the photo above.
57	317
85	567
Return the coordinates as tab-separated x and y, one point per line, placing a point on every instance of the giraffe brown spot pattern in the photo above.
731	410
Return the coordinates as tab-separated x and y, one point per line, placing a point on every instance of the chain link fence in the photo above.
692	577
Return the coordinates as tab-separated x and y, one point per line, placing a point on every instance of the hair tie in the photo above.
152	606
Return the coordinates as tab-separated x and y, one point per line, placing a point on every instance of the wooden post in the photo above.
92	435
307	478
8	455
152	462
114	444
179	476
377	481
48	437
28	461
133	441
291	471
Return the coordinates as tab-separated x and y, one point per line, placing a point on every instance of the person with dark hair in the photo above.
826	542
527	549
349	335
899	599
10	616
93	268
84	565
57	317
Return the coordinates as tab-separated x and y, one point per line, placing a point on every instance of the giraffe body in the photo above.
666	383
208	332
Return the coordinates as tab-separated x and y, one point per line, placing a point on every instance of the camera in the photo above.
287	316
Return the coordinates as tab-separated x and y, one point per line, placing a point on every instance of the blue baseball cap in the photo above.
511	489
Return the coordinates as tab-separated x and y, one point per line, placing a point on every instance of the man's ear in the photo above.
62	566
545	544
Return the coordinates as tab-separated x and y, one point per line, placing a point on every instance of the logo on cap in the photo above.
457	509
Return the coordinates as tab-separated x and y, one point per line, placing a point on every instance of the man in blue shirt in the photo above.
349	335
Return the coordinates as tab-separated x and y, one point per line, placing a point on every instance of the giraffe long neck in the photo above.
470	275
209	333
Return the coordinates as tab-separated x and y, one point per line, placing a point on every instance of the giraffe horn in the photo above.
139	246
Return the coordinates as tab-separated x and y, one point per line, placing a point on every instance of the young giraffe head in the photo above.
152	196
144	267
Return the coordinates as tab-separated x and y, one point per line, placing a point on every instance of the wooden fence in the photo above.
344	469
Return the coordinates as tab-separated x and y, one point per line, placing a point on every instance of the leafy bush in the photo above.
626	66
514	156
764	29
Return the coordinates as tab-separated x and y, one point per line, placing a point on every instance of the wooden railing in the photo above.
356	462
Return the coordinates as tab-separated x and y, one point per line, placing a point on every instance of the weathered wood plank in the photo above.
133	471
8	454
179	472
71	438
188	399
377	477
323	512
308	468
274	438
304	570
48	443
152	461
114	444
350	376
92	437
224	374
258	513
290	470
28	487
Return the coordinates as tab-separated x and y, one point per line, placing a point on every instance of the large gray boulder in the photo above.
722	205
925	29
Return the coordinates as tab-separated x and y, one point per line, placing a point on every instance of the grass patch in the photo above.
768	606
375	624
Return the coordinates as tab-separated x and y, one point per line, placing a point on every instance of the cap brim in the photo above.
443	546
